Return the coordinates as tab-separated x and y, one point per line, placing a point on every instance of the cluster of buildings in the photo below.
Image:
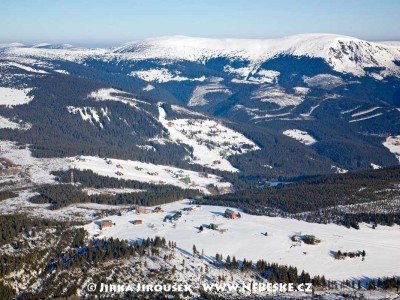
230	214
119	166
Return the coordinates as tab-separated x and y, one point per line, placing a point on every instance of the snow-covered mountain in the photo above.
344	54
340	92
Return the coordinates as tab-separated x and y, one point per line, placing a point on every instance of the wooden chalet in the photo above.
105	224
158	210
230	214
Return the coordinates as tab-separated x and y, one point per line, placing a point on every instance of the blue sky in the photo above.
111	22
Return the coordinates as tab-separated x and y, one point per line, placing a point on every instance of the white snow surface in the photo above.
344	54
243	238
375	166
111	94
199	93
147	172
162	75
12	97
148	88
325	81
211	141
276	94
10	124
252	75
339	170
91	114
366	118
25	67
365	111
301	136
393	144
36	169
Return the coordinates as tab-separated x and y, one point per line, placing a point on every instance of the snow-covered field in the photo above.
146	172
251	75
325	81
199	93
162	75
7	123
393	144
12	97
111	94
244	238
277	95
36	170
301	136
25	68
212	142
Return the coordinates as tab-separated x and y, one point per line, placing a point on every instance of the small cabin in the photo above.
213	226
120	166
137	222
158	210
109	162
119	173
173	217
170	124
105	224
216	162
230	214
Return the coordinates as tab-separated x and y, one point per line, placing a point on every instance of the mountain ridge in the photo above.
343	53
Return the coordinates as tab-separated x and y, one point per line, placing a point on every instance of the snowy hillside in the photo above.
12	97
244	238
393	144
212	142
151	173
301	136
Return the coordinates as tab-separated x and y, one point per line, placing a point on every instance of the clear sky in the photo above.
111	22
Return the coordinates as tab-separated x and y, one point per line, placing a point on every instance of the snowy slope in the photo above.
12	97
10	124
212	142
243	238
393	144
147	172
301	136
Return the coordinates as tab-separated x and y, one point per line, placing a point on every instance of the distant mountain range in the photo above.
312	103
